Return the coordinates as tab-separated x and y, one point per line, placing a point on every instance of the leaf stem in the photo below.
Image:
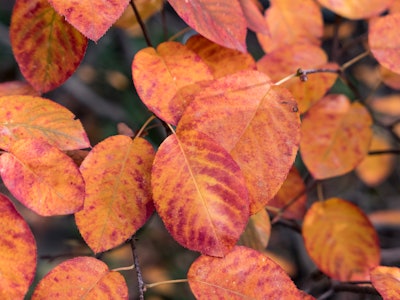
179	33
141	23
287	78
389	151
139	133
124	268
354	60
320	192
151	285
142	285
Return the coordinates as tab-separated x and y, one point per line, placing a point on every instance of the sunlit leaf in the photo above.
341	240
34	117
221	21
387	281
42	177
81	278
17	88
384	41
229	278
257	232
199	193
254	17
118	195
17	252
222	61
256	123
291	22
92	18
175	66
335	136
48	49
357	9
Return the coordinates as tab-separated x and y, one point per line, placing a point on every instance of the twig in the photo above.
389	151
124	268
303	73
151	285
142	26
320	192
139	133
354	60
142	286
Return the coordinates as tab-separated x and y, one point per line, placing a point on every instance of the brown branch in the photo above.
141	23
389	151
142	285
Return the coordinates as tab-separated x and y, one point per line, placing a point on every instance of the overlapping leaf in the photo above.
257	232
390	78
254	17
291	22
384	41
159	74
42	177
221	21
357	9
92	18
199	193
256	123
82	278
34	117
335	136
341	240
229	278
387	281
118	194
17	252
385	217
388	105
46	47
17	88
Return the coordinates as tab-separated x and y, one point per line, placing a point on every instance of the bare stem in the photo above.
151	285
124	268
139	133
142	286
320	192
389	151
141	23
354	60
287	78
179	33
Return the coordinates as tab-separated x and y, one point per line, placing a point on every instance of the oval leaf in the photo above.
257	232
387	281
335	136
256	123
48	49
38	118
118	194
17	252
254	17
43	178
81	278
341	240
228	278
92	18
199	193
176	66
17	88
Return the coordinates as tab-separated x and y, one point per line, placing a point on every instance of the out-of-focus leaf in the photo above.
159	74
43	178
92	18
357	9
257	232
341	240
17	252
387	282
118	194
34	117
384	40
388	105
17	88
81	278
222	61
335	136
390	78
254	17
228	278
291	22
48	49
385	217
199	193
221	21
256	123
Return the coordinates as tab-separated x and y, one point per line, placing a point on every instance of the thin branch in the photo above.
320	192
345	287
303	74
287	78
151	285
141	23
164	21
389	151
354	60
142	286
139	133
179	33
124	268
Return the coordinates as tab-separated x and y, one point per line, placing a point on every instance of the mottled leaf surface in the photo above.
387	281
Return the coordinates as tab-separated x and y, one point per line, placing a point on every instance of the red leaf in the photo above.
254	17
387	281
17	88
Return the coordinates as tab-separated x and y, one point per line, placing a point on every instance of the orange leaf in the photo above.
176	66
222	61
257	232
388	105
256	123
228	278
92	18
384	41
17	252
48	49
341	240
293	189
357	9
199	193
387	282
118	196
17	88
38	118
43	178
221	21
390	78
81	278
385	217
291	22
254	17
335	136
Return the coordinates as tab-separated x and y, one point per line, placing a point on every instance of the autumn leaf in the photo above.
199	193
80	14
48	49
229	278
390	78
118	196
17	252
81	278
254	17
221	21
385	217
39	118
388	105
257	232
341	240
335	136
17	88
42	177
387	281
